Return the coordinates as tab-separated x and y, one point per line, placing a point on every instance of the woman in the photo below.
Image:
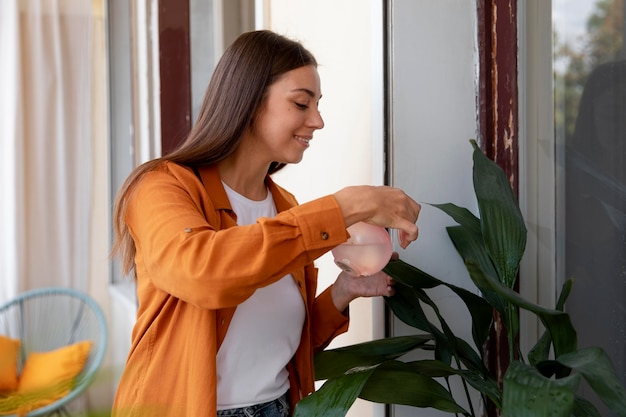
228	317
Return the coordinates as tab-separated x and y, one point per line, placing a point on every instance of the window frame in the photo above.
538	167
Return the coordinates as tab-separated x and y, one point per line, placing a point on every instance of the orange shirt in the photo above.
194	267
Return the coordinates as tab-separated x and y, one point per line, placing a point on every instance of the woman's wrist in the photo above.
341	298
352	202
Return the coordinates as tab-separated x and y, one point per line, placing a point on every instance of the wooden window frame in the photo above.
175	73
499	126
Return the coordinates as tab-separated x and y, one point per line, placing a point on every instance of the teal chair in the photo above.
50	318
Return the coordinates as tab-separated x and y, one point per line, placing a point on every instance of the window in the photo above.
574	82
589	64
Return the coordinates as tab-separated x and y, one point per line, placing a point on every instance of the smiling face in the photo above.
288	117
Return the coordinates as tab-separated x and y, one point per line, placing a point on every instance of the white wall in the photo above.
346	39
435	76
434	104
342	153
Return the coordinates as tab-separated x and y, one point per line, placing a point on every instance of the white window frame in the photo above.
537	163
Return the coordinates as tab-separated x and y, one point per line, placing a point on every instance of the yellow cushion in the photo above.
57	368
9	351
46	377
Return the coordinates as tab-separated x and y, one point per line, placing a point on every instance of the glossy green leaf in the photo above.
502	224
462	216
470	359
406	306
597	369
583	408
432	368
336	396
541	350
448	345
485	384
529	394
397	383
480	380
471	248
556	322
566	289
410	275
333	363
479	309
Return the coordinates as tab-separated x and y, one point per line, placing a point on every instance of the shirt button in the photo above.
324	235
300	284
188	229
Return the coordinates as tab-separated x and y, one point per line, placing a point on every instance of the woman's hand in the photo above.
384	206
347	287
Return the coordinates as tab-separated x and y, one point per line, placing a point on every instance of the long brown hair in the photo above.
231	102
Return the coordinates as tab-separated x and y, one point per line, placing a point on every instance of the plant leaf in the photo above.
448	345
479	309
396	382
432	368
485	384
566	289
527	393
541	350
469	357
583	408
410	275
462	216
597	369
336	396
468	241
502	223
480	380
471	247
556	322
332	363
406	307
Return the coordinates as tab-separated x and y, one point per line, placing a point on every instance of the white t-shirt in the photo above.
264	332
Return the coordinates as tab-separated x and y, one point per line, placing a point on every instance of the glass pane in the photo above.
590	128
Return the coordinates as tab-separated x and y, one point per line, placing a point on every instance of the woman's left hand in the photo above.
347	287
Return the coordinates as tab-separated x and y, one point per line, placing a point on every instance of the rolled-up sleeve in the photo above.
328	321
184	254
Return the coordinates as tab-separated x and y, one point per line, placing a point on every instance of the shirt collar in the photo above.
213	183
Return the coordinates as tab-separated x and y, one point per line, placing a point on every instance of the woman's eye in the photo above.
302	106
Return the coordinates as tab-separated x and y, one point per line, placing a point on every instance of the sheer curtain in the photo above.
45	143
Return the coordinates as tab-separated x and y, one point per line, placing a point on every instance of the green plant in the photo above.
543	382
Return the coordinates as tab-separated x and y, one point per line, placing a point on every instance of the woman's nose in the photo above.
316	121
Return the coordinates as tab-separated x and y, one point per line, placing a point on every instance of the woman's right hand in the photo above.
381	205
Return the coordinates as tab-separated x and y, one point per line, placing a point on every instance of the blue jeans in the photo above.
277	408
